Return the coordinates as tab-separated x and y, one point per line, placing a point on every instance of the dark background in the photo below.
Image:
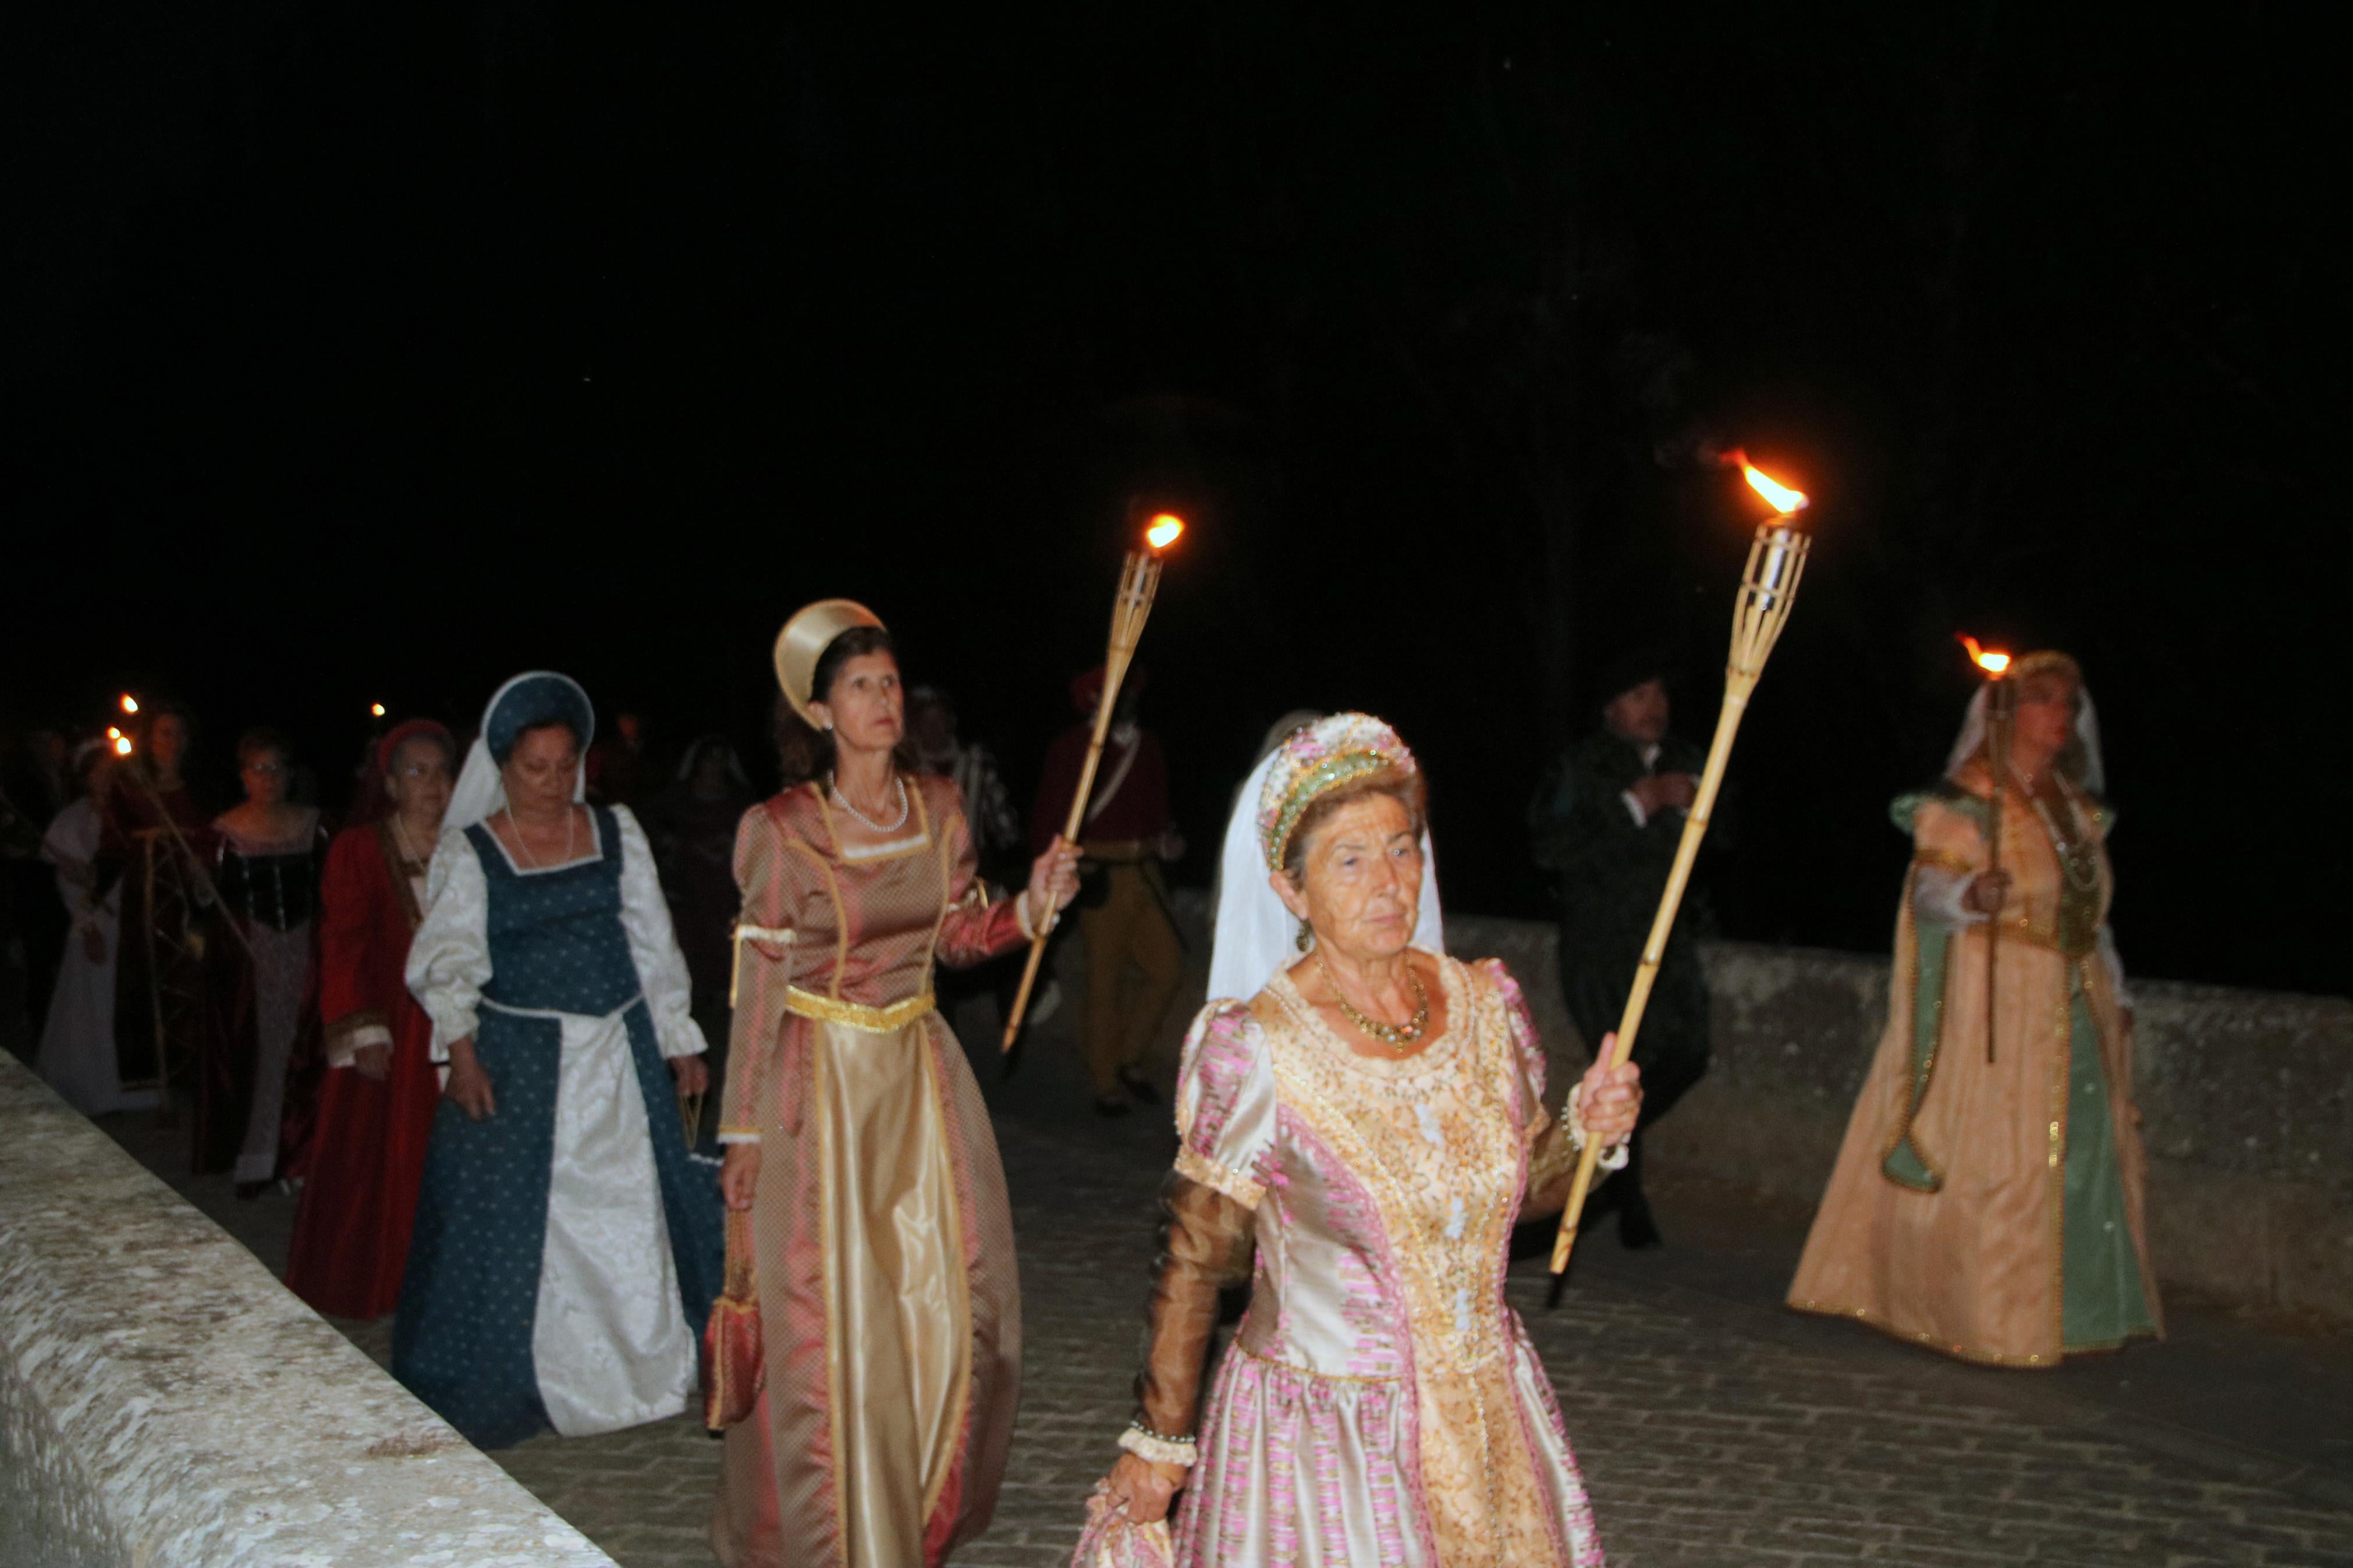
373	353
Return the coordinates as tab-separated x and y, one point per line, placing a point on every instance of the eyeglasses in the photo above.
265	767
422	771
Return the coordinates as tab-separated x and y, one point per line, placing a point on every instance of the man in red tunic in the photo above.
1134	959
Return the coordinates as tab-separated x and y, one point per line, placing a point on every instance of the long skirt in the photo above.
367	1158
567	1248
890	1312
76	1054
282	987
2003	1222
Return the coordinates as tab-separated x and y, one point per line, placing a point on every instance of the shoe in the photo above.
248	1191
1112	1105
1637	1231
1139	1085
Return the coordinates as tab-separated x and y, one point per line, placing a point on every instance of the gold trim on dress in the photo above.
858	1015
1209	1173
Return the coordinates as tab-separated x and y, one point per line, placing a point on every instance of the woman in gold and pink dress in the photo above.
882	1240
1357	1141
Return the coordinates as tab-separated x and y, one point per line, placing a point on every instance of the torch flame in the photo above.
1985	659
130	703
122	745
377	709
1784	500
1162	531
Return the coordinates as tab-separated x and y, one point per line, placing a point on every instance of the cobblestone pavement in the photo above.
1715	1429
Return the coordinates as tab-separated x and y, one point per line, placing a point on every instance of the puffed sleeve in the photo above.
1226	1103
661	968
449	959
764	940
1552	1144
1225	1127
1948	851
977	928
353	1007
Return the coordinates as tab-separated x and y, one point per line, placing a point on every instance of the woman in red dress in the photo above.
375	1109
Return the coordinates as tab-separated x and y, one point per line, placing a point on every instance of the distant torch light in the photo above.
122	745
377	709
1784	500
1163	529
130	703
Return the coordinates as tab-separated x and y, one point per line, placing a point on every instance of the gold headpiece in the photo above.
1325	755
2047	661
804	641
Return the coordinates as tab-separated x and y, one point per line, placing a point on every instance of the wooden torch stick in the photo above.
1768	590
1139	580
1998	718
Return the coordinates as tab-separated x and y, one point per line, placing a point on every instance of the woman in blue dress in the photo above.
566	1246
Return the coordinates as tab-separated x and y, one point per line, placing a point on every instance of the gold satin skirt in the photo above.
890	1311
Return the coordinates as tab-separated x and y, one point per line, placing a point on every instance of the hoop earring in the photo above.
1306	934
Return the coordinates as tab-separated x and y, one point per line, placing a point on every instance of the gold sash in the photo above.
856	1015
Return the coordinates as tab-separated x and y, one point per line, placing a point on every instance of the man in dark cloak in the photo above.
1606	822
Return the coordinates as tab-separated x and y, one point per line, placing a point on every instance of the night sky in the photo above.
373	353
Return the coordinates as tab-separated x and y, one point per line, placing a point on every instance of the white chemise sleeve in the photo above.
661	967
1937	895
449	958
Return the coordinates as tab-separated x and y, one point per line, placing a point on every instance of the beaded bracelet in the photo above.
1161	1449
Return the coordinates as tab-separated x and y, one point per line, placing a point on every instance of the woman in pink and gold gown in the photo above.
1357	1141
883	1242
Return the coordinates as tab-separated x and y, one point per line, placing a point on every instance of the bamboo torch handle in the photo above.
1736	689
1997	757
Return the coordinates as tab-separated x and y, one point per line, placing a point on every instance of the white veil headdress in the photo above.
533	697
2094	779
1253	935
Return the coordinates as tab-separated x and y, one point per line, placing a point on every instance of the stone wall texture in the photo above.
2246	1099
166	1403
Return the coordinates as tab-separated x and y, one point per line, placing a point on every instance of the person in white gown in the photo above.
77	1052
568	1246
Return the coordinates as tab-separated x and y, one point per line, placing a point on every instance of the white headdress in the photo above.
2094	779
534	697
1255	935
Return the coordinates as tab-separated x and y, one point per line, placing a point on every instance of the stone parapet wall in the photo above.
165	1401
2246	1099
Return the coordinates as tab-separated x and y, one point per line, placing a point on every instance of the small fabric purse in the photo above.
734	1369
1109	1540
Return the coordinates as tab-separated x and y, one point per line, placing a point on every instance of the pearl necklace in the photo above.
841	800
1397	1036
570	826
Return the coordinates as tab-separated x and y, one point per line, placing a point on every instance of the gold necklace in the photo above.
1397	1036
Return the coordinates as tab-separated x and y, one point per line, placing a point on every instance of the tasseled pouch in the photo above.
734	1369
1110	1541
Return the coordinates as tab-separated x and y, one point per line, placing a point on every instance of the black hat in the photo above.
1630	667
